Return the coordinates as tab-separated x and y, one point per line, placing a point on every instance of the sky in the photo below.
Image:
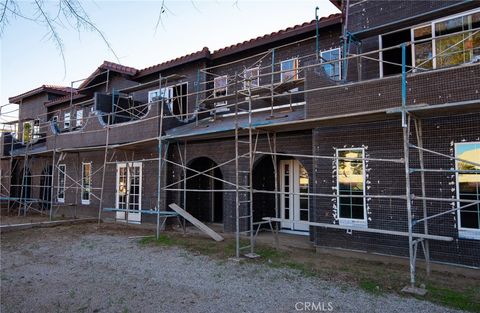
28	58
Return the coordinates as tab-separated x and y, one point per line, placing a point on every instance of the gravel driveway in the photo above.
70	269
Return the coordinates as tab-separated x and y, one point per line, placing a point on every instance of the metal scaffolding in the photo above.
246	135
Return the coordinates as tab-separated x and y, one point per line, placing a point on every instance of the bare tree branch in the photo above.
67	14
195	6
54	35
4	11
76	9
159	19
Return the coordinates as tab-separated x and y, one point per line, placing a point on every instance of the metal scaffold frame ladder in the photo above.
244	184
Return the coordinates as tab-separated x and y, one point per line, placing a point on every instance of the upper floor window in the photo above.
351	187
176	98
79	120
447	42
423	49
468	188
27	132
391	52
289	70
66	120
160	94
36	129
31	130
179	104
251	78
220	88
332	68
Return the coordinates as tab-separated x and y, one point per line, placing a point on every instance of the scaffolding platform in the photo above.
154	212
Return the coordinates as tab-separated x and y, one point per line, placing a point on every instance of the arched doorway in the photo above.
205	204
263	179
46	187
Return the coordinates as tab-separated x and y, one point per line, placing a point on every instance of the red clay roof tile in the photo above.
61	90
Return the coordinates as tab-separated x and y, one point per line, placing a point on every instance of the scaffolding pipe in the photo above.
100	204
444	155
160	157
52	192
448	211
406	136
419	134
237	184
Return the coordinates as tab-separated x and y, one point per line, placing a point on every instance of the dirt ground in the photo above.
111	268
13	218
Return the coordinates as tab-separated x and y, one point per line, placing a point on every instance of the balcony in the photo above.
356	96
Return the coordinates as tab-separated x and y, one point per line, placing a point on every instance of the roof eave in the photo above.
335	19
17	99
200	55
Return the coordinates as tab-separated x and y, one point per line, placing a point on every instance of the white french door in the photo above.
293	206
129	191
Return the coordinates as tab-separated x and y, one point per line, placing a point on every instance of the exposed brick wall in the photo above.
433	87
384	140
373	13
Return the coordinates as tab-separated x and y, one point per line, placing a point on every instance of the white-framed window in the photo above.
66	120
289	70
448	41
86	182
251	76
332	69
79	118
351	202
220	88
468	188
62	171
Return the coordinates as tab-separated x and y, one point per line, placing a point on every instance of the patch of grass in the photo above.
229	249
303	268
369	286
271	254
467	300
163	240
